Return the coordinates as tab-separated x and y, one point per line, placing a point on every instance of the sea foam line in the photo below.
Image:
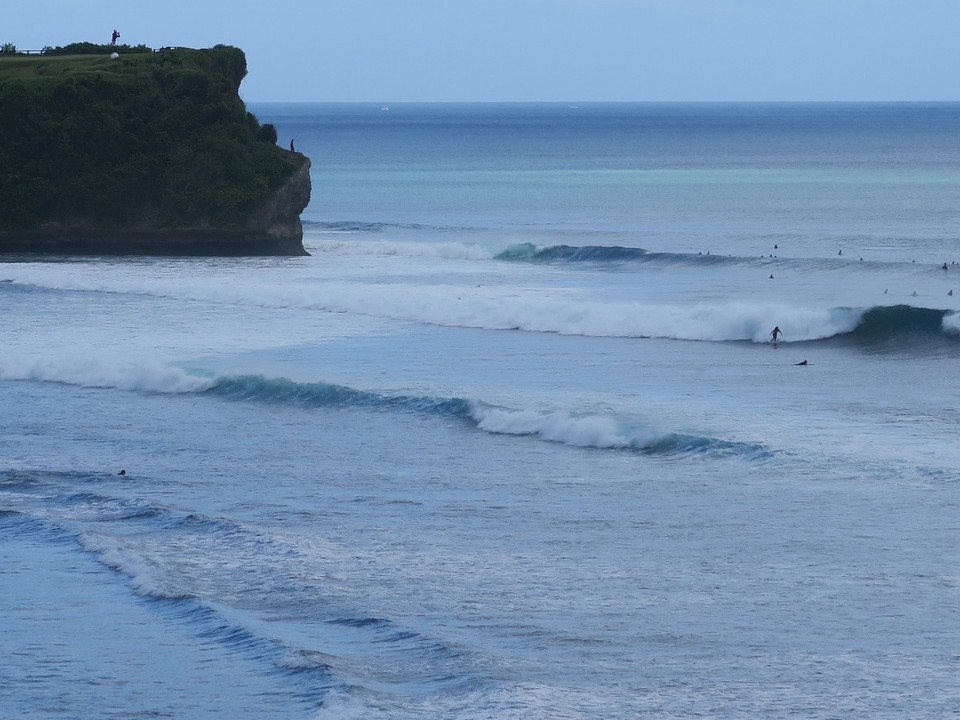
145	375
590	430
604	432
560	311
587	430
442	251
595	431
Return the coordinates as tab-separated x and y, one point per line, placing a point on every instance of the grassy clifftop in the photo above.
148	139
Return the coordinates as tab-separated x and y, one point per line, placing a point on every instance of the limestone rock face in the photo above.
278	219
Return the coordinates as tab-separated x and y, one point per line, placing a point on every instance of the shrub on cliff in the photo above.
161	138
89	48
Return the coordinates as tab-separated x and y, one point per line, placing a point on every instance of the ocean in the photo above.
513	442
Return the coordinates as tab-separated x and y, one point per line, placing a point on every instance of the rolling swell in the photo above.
202	571
18	525
257	594
314	395
899	320
357	226
616	254
902	327
347	226
528	252
588	431
681	444
604	432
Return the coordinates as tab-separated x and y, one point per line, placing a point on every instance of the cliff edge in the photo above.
141	152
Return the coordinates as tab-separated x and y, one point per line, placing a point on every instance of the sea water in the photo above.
512	442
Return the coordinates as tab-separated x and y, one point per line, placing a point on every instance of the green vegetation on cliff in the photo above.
148	138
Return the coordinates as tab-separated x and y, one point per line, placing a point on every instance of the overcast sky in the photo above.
533	50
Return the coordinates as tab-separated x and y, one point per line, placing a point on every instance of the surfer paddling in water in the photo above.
775	335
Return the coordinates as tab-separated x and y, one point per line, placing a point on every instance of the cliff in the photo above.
148	153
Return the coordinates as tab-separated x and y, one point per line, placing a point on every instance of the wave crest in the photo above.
600	432
383	248
571	253
492	307
902	322
318	394
605	433
588	431
145	374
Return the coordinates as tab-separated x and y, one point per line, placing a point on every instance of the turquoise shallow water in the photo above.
511	442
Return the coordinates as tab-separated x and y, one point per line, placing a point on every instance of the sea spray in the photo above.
563	311
587	431
951	323
444	251
103	371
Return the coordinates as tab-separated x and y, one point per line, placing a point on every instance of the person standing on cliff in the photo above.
113	40
291	146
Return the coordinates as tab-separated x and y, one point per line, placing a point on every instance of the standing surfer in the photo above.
775	335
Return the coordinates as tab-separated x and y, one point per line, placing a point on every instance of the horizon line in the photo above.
610	102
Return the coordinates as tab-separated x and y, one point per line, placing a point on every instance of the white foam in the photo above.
951	323
341	705
103	371
588	431
443	251
144	578
555	310
522	701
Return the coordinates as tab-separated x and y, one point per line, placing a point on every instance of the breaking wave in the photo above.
496	308
358	226
145	375
605	432
572	253
618	254
492	307
902	323
313	395
588	431
385	248
352	226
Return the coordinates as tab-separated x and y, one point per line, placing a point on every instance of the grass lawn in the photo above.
55	67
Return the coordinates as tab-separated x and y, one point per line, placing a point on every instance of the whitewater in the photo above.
512	442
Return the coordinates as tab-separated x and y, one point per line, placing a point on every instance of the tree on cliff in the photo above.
160	138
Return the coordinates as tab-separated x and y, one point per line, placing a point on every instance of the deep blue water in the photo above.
511	442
